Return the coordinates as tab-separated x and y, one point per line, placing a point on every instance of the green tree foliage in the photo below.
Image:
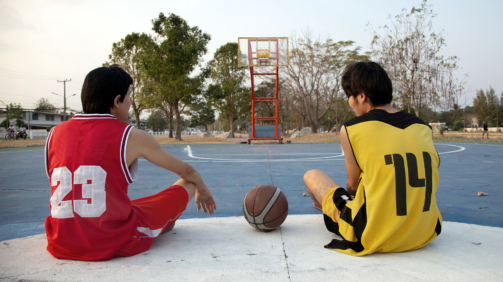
409	50
458	125
43	105
313	75
127	53
202	114
486	107
227	92
15	115
157	121
170	58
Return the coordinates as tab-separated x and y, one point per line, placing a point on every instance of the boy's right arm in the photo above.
142	144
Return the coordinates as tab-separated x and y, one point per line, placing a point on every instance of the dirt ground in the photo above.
311	138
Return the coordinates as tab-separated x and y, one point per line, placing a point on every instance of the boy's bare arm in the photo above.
351	165
142	144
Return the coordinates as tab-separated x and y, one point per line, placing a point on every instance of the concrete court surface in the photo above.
228	249
230	171
225	248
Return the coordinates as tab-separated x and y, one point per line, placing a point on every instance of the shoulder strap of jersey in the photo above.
130	173
46	152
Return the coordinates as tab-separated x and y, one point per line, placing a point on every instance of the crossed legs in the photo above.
318	184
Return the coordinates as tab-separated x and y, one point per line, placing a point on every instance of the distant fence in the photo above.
480	129
167	133
37	133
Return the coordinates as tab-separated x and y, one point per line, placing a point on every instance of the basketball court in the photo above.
224	247
230	171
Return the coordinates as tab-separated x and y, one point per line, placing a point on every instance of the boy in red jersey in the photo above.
90	161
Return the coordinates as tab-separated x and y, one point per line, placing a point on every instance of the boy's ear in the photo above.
117	100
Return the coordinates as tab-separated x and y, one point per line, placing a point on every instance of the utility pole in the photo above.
64	95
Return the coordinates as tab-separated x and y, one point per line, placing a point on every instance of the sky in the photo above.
44	41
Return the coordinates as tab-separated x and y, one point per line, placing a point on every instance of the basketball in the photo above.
265	207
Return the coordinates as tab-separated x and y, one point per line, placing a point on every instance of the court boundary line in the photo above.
337	157
330	158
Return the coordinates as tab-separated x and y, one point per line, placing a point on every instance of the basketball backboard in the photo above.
263	51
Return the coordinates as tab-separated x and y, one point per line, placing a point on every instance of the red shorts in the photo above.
155	214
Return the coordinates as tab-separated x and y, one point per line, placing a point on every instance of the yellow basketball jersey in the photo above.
394	209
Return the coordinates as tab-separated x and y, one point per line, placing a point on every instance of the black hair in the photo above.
368	78
101	86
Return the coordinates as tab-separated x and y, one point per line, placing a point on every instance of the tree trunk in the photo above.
169	116
231	123
137	118
314	127
178	135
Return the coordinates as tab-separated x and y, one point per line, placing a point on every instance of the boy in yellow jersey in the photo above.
392	166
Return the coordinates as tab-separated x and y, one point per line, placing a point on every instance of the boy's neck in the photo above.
388	108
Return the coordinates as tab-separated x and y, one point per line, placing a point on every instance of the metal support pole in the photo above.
253	101
276	105
64	96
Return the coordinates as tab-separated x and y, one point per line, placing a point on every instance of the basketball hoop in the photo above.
263	57
263	53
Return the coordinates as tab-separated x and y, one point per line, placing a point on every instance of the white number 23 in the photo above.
95	191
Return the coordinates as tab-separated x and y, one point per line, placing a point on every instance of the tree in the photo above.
170	58
314	73
15	114
339	113
409	51
127	53
481	107
202	114
157	121
43	105
228	92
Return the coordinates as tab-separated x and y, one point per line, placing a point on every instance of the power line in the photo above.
26	78
27	74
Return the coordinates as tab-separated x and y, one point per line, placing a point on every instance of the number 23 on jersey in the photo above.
94	191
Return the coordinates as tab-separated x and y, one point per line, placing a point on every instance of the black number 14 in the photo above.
414	181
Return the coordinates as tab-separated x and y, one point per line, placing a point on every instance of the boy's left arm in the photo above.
351	166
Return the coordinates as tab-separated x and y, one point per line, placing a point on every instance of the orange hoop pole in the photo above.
276	104
253	101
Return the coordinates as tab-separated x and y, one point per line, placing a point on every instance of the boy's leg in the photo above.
318	184
156	214
324	191
189	187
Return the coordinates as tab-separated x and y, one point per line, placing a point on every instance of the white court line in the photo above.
329	158
278	154
334	157
461	149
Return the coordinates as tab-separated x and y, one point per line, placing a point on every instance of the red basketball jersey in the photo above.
91	216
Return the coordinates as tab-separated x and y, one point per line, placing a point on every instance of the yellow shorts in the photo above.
328	205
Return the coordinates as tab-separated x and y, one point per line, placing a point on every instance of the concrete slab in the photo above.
228	249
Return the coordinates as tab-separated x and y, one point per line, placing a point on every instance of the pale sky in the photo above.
48	40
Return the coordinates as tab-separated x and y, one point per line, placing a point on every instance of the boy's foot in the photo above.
316	205
169	229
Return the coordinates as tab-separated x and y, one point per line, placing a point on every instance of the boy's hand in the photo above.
205	200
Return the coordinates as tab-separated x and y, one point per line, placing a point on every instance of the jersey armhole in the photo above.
131	172
46	152
351	145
